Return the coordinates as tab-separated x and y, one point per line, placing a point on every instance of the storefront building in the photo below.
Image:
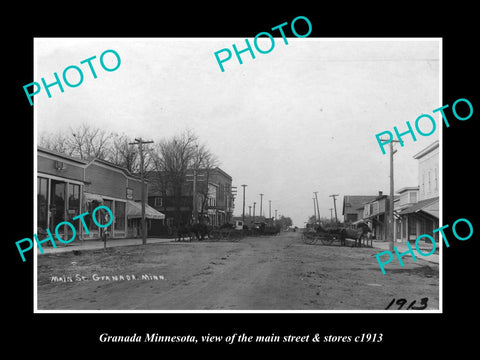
418	211
67	187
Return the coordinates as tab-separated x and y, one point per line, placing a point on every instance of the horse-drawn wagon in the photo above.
329	235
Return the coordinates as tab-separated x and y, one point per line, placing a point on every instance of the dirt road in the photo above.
258	273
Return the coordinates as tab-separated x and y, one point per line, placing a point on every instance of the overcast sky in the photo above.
300	119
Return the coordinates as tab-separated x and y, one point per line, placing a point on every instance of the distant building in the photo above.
375	214
407	197
352	209
214	201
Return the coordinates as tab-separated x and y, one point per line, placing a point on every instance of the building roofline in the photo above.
427	150
62	155
406	188
118	167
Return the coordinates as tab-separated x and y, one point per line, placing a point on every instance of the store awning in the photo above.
134	211
87	197
429	206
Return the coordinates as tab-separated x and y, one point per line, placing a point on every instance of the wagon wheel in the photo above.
309	239
327	240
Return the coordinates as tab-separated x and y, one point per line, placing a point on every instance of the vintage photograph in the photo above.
297	180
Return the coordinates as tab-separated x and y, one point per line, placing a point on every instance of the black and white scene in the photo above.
302	179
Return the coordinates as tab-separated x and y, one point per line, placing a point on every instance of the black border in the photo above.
456	25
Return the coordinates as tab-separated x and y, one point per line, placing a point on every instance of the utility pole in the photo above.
335	206
140	143
314	210
391	221
269	209
331	215
249	210
261	197
243	212
254	203
275	214
194	190
318	209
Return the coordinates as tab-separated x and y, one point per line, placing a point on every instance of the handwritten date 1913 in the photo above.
401	302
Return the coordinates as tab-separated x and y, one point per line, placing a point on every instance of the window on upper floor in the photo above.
158	202
429	182
413	197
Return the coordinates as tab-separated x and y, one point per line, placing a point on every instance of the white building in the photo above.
417	211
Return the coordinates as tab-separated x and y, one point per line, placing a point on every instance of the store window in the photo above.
109	204
42	202
119	216
92	227
73	203
57	203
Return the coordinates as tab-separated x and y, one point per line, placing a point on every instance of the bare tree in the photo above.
88	142
206	162
58	142
82	142
171	158
122	153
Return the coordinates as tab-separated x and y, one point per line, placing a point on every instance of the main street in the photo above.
257	273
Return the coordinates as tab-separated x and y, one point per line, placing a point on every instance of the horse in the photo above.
200	231
183	232
362	234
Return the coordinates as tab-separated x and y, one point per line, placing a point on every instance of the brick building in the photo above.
214	202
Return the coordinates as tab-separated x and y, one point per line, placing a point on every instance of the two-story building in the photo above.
375	214
67	187
408	196
421	214
353	207
214	201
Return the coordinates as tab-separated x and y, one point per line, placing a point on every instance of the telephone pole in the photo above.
314	210
391	220
318	209
335	206
140	143
331	215
261	196
243	212
249	210
269	209
254	203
